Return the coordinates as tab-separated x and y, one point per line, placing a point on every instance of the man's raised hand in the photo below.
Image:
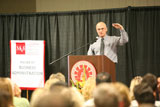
118	26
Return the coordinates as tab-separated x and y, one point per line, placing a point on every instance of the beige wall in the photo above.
20	6
70	5
17	6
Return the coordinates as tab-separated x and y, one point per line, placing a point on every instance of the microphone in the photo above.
73	51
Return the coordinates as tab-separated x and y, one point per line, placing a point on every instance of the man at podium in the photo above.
107	45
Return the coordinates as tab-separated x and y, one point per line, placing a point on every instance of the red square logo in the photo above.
20	48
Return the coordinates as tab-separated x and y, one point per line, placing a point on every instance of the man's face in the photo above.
101	29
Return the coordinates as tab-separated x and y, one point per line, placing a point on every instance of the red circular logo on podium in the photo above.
81	67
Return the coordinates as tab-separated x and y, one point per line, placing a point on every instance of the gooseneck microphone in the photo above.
72	51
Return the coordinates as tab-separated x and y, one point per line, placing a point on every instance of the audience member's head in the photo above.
16	90
68	97
73	96
105	95
124	95
51	100
151	80
103	77
158	84
87	90
36	95
58	86
58	76
135	81
144	94
49	82
5	85
146	105
5	99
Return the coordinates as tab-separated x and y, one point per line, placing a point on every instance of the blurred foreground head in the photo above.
105	95
6	85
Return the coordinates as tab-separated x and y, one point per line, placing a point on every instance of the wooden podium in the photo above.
100	62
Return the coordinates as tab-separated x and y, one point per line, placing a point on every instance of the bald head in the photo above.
101	29
101	23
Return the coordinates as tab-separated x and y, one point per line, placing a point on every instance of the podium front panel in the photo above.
100	62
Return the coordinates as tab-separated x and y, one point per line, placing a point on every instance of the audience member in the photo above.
105	95
144	94
58	86
151	80
51	100
103	77
75	98
157	103
124	95
158	89
67	97
49	82
5	85
36	95
58	76
19	101
146	105
5	99
16	90
135	81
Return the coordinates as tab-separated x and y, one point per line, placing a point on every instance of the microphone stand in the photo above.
70	53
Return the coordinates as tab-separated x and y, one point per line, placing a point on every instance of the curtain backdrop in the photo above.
64	32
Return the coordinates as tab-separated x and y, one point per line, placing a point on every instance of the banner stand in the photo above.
27	94
27	64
